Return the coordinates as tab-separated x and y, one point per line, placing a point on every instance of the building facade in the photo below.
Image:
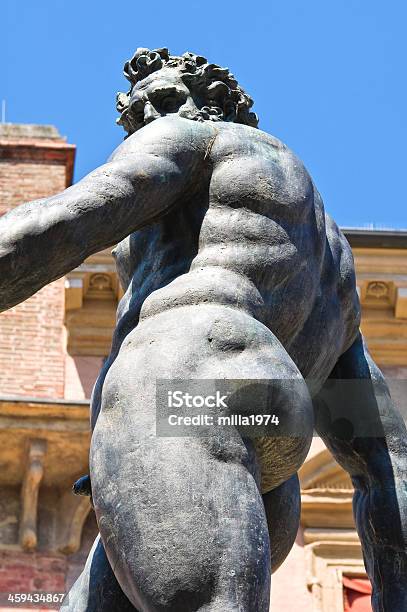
51	349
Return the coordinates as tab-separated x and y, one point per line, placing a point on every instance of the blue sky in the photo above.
328	77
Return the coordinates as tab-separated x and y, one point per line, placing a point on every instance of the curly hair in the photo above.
220	96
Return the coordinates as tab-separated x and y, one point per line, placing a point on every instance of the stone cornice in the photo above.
65	428
41	150
382	239
42	408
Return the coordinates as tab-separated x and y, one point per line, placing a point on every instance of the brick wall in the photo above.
32	359
22	180
28	573
35	162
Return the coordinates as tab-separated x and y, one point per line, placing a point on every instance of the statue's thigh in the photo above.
180	525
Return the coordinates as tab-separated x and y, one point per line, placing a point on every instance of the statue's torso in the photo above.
254	236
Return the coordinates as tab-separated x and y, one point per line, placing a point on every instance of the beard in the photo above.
206	113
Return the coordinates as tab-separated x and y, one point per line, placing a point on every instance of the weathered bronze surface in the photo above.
231	270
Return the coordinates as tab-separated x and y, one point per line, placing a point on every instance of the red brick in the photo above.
21	572
32	351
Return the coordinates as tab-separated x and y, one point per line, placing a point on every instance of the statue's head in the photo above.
163	84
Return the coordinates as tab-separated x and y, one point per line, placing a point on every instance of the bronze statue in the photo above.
231	270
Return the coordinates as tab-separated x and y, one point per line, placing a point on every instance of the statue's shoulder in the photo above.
167	133
244	137
237	140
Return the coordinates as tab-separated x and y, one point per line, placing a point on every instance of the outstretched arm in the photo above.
41	241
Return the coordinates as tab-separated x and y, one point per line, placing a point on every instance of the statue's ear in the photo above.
218	91
219	94
229	110
193	80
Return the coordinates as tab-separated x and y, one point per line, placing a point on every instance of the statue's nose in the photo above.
150	113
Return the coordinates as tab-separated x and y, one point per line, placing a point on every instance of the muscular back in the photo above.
251	234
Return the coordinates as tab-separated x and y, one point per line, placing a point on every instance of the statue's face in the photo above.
161	93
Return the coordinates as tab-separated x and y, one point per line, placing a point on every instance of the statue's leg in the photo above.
182	519
283	509
370	443
96	589
184	530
